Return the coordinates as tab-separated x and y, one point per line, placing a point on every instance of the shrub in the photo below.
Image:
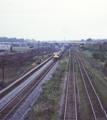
105	65
96	49
84	48
91	48
98	55
105	48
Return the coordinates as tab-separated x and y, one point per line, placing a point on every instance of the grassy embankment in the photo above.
27	66
48	103
89	55
99	89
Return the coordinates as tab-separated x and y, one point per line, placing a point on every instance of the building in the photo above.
5	47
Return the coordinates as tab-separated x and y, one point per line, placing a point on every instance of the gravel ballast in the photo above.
24	110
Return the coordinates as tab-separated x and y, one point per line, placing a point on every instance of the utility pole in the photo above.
2	67
38	48
47	47
3	70
42	48
50	48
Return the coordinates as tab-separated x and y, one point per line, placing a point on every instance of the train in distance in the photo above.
57	54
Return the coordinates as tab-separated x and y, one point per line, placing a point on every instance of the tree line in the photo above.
98	53
5	39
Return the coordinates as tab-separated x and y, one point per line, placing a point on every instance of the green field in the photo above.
22	49
89	55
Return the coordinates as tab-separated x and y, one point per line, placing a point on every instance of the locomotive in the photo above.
59	53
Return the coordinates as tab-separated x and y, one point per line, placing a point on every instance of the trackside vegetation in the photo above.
84	110
26	67
99	54
48	103
101	77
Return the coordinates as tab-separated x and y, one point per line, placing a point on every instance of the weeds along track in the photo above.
22	79
70	108
97	111
8	110
101	82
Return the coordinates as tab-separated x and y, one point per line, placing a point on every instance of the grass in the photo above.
48	103
84	111
26	67
89	55
77	50
99	62
98	72
99	89
101	92
20	49
14	75
84	108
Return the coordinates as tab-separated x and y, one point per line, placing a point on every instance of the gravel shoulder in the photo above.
24	111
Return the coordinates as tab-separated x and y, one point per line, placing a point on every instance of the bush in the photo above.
28	63
96	49
105	48
84	48
91	48
105	65
98	55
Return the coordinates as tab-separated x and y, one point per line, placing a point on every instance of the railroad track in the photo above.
70	111
7	110
97	110
101	82
22	79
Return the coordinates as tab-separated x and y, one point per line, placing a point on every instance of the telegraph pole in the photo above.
2	67
3	70
42	48
38	48
47	47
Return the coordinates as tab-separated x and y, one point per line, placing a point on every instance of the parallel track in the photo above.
102	83
97	109
70	112
22	79
14	103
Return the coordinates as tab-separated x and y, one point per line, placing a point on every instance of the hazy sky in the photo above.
53	19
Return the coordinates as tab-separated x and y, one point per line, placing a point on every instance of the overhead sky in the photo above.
53	19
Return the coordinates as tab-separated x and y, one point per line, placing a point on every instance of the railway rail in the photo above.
101	82
22	79
97	110
12	105
70	111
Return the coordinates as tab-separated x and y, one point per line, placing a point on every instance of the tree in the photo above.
82	40
89	40
98	55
